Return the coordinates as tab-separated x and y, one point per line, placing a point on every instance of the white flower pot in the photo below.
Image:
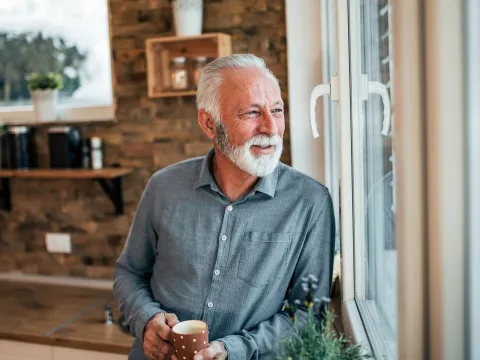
45	104
188	17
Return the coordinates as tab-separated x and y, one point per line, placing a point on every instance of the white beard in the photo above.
257	165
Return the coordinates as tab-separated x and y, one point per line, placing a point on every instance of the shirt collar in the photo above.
266	185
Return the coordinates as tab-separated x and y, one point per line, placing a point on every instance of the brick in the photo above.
137	150
276	4
256	5
168	153
198	148
149	134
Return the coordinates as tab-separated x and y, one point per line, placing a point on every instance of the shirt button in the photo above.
224	238
230	208
217	272
210	304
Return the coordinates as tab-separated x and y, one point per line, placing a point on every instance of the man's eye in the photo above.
277	110
253	112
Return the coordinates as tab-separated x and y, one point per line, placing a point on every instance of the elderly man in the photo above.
226	238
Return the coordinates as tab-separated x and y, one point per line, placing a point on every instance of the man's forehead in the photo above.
249	82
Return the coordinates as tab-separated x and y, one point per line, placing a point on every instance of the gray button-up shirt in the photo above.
193	252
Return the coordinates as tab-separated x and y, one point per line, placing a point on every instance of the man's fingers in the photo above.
158	347
207	354
150	354
155	344
171	319
164	332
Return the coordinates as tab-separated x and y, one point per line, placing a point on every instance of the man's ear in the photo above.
207	123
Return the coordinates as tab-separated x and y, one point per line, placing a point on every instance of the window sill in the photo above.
353	325
24	116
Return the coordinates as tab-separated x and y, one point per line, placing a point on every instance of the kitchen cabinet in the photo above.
18	350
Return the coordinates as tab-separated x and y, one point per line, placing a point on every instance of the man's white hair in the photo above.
208	94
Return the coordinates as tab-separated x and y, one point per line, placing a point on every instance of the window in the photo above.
359	140
374	173
68	37
437	84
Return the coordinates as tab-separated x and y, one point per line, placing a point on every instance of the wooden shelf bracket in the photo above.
113	188
5	197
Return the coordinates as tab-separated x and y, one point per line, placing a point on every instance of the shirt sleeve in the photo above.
265	340
133	270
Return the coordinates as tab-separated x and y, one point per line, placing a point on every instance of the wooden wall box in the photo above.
160	51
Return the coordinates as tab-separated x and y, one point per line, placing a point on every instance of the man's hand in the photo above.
158	339
215	351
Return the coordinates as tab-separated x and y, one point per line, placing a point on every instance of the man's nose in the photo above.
268	124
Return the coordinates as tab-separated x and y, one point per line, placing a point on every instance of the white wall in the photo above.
304	43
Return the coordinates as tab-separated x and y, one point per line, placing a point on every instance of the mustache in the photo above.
263	140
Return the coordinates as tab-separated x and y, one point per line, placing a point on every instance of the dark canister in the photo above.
21	148
64	147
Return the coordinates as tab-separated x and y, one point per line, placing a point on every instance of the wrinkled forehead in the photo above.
248	85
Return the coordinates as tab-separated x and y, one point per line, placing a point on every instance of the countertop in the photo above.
60	316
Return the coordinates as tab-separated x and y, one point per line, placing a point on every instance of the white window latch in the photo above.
331	89
375	87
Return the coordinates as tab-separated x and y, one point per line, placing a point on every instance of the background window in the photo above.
65	36
374	174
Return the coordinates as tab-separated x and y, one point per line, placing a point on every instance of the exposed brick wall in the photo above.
149	134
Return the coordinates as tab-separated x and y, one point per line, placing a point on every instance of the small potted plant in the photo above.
44	94
318	338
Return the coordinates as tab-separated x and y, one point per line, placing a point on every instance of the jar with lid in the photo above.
179	74
96	153
200	63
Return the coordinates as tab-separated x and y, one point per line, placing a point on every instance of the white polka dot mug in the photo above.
189	338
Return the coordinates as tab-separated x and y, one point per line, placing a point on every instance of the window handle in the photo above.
375	87
331	89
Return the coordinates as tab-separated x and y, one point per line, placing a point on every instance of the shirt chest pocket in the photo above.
262	257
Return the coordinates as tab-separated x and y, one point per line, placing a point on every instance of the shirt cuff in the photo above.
234	346
145	313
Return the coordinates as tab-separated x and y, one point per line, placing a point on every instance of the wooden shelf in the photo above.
180	39
110	173
175	93
109	179
160	51
57	123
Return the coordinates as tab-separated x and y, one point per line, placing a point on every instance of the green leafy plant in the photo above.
317	340
50	81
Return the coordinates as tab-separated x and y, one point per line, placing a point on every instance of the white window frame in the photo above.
377	330
352	322
472	76
11	115
411	227
446	168
330	114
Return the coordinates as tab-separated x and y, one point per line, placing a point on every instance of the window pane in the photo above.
332	176
375	188
65	36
